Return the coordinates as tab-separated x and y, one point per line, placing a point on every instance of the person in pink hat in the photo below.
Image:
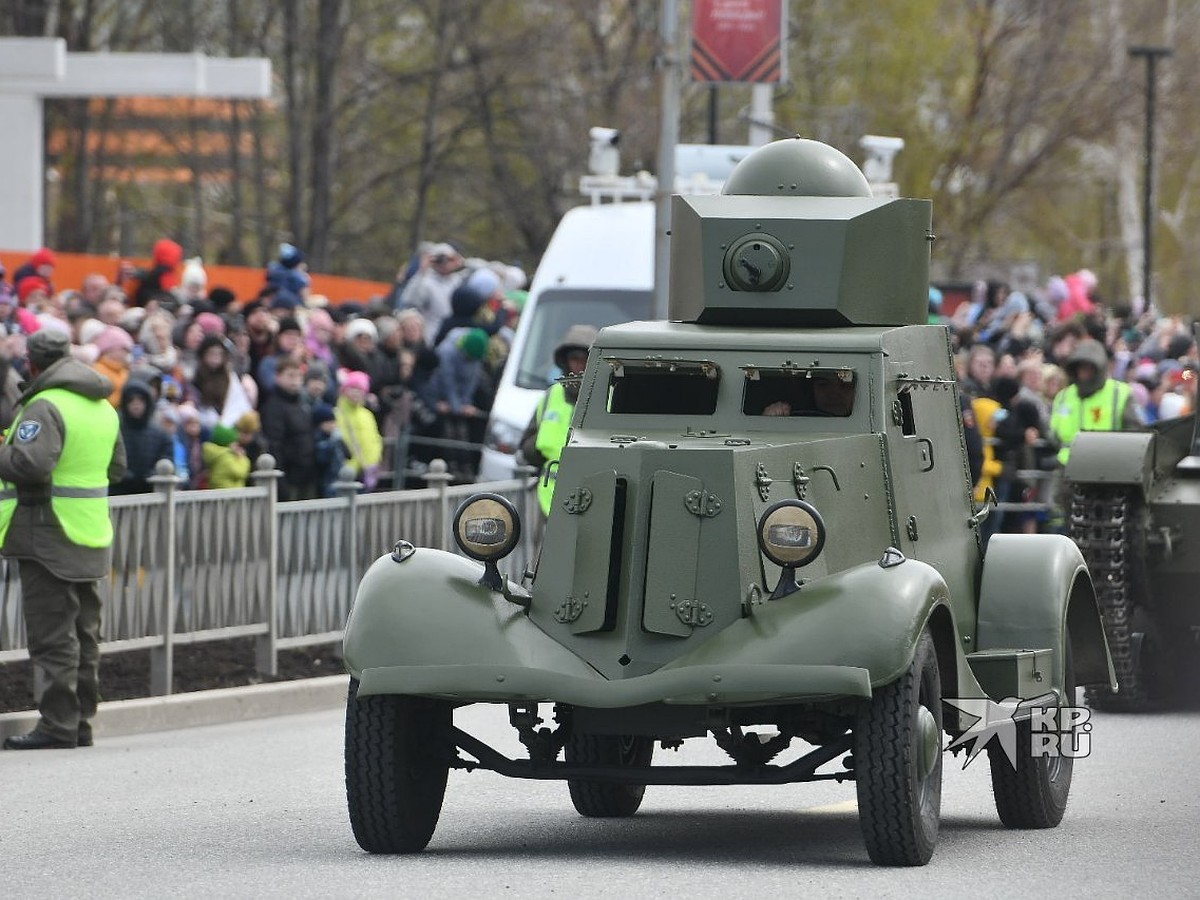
114	347
360	431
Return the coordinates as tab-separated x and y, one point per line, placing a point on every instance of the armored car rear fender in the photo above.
1036	594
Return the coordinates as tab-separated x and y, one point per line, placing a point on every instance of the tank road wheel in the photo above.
597	799
1034	794
398	753
1108	524
898	763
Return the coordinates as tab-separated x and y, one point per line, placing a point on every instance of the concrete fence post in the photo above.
162	657
438	477
266	655
531	515
348	486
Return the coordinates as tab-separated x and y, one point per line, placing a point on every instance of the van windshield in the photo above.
557	310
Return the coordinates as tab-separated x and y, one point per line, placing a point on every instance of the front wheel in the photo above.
398	753
598	799
898	763
1032	793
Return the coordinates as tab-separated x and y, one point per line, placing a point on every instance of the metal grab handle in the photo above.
926	453
981	514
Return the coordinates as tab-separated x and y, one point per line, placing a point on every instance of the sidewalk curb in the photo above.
190	710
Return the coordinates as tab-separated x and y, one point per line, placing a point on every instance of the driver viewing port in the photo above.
657	387
799	392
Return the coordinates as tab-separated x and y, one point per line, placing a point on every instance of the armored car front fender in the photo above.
426	627
430	611
867	618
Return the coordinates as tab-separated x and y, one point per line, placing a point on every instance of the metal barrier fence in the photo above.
195	566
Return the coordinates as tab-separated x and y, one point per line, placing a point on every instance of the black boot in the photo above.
85	734
37	740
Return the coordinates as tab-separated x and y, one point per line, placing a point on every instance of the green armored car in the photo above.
762	534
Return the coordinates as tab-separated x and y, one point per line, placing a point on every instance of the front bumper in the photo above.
728	685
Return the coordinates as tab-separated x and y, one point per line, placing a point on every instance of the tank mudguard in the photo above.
867	617
1112	457
1037	592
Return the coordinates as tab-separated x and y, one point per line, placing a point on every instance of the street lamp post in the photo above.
1151	55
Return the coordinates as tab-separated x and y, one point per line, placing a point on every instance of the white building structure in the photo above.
33	69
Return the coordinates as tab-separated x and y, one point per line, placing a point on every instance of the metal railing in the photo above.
195	566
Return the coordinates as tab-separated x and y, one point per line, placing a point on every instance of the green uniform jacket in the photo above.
28	462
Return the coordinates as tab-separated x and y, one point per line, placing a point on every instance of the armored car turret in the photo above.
761	533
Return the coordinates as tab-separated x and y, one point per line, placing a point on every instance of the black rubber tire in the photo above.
596	799
398	752
898	808
1034	794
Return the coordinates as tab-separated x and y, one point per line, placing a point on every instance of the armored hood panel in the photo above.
799	261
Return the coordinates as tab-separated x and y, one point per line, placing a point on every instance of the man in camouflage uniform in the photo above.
56	463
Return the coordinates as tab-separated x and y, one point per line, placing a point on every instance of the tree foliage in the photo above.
395	121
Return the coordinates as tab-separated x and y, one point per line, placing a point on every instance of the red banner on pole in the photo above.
737	40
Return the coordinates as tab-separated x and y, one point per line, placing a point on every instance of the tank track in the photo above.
1104	523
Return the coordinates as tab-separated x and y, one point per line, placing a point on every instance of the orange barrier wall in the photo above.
244	282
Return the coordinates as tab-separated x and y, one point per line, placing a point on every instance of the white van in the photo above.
598	269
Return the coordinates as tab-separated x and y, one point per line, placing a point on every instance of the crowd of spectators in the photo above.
210	380
1016	355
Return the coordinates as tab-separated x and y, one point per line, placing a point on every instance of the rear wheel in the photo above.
898	764
398	753
597	799
1033	794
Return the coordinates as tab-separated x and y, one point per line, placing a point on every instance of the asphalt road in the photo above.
257	809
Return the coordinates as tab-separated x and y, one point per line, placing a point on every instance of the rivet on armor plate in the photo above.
569	610
694	613
577	501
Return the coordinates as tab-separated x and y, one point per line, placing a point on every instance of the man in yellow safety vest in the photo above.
558	405
1092	401
56	462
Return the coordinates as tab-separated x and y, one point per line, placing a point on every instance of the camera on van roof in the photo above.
604	158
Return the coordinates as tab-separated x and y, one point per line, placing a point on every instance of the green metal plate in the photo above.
593	549
674	555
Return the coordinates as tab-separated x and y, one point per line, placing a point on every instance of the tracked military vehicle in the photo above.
1135	514
762	534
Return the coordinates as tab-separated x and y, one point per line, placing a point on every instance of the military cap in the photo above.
47	346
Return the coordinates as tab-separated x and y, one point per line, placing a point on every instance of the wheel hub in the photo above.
929	741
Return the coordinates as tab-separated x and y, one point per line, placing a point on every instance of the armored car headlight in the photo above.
791	534
487	527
